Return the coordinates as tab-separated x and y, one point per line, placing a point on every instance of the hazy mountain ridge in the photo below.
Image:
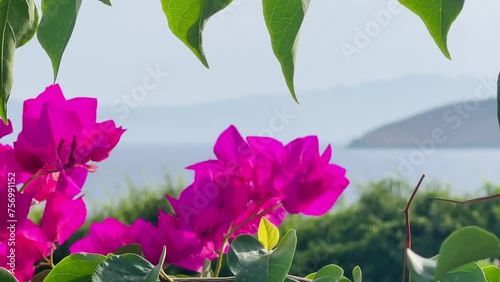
465	124
338	115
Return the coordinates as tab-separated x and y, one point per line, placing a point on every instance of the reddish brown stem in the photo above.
406	275
467	202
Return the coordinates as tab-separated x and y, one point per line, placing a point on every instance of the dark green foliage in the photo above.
370	233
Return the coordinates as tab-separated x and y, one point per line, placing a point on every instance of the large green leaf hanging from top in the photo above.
284	19
56	27
18	23
438	16
187	19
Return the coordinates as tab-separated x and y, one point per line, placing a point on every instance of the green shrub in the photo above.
371	232
368	233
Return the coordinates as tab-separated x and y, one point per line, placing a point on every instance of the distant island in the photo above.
466	124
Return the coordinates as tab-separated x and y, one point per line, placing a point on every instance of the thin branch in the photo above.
467	202
406	275
228	279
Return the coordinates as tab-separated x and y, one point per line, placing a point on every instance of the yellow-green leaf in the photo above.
268	234
438	16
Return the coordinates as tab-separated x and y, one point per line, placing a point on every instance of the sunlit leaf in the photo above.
492	273
268	234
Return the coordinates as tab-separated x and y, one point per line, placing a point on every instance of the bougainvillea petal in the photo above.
5	129
107	236
62	135
62	217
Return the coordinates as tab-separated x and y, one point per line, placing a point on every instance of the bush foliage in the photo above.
365	233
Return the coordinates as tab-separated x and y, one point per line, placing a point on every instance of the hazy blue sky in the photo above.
112	48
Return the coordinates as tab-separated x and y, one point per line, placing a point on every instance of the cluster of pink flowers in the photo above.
59	143
249	179
48	163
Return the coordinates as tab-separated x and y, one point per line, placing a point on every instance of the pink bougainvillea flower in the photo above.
209	205
310	184
8	163
5	129
62	217
184	248
14	208
269	209
9	168
44	185
107	236
29	248
60	134
269	155
221	191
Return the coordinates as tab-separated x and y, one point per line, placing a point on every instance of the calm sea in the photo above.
464	170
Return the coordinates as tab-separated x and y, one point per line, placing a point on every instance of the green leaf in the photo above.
56	27
357	276
248	260
32	31
187	19
281	258
268	234
421	269
18	22
128	267
6	276
107	2
344	279
311	275
438	16
329	273
130	249
75	268
284	19
154	275
207	269
466	245
492	273
468	273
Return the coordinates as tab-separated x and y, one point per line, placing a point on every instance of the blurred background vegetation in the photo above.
368	233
